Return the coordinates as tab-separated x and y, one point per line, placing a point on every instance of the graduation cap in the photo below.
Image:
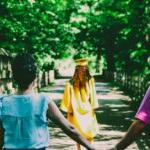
80	59
81	62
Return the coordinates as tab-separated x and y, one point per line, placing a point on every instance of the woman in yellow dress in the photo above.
79	101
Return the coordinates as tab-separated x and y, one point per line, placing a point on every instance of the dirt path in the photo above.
114	117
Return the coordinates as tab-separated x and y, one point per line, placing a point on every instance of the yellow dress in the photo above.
80	108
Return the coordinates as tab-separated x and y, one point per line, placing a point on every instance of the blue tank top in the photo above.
24	120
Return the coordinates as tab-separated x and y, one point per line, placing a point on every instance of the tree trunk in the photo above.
110	62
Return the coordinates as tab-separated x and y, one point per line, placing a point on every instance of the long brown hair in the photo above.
81	76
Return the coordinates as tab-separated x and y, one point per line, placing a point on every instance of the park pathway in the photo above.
114	117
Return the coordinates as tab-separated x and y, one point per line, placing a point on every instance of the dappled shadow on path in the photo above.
114	117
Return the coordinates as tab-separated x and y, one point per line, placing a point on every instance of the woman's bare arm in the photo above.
133	132
55	115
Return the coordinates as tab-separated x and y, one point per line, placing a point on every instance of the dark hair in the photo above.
24	70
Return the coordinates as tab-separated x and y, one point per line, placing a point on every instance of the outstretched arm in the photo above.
55	115
133	132
143	118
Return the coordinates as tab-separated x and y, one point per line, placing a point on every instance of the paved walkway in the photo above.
114	117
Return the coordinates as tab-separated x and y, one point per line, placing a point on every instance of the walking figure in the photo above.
79	101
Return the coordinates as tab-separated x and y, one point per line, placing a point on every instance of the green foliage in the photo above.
117	31
80	54
48	66
34	27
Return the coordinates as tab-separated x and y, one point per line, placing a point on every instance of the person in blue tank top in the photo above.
23	115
